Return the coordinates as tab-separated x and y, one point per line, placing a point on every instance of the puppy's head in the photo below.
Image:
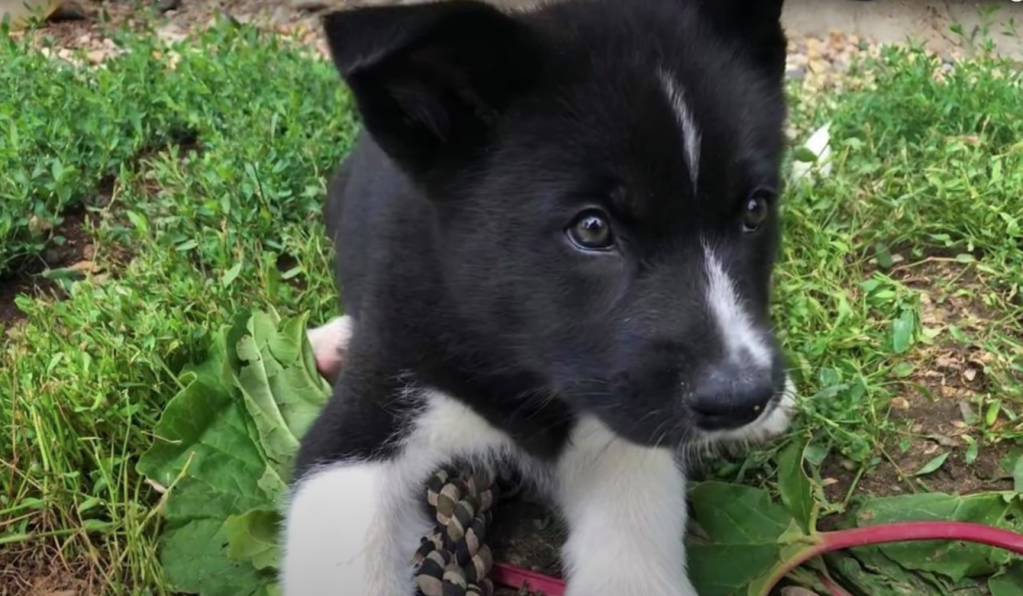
605	181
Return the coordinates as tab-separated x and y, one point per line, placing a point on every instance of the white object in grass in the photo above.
819	144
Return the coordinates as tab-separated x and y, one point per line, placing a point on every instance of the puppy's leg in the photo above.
330	343
354	525
352	529
355	516
626	511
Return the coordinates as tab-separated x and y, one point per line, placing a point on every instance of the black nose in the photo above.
729	398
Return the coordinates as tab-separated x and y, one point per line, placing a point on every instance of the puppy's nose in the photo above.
731	397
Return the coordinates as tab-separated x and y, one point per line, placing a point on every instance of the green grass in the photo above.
205	228
218	168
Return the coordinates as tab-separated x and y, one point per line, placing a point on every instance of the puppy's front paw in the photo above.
780	418
330	343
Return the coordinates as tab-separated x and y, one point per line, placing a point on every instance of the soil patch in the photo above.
937	411
42	571
76	252
527	536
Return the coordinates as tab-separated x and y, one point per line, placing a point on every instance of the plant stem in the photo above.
901	532
832	586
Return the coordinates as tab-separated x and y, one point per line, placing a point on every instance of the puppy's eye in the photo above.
591	231
755	213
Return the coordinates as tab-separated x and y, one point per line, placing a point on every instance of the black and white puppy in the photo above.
555	238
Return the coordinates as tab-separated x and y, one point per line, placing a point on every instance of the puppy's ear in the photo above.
431	80
757	25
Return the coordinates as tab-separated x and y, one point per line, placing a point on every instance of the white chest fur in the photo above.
354	525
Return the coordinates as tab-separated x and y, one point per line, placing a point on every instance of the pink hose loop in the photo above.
513	577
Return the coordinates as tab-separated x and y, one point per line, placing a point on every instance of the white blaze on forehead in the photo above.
740	336
690	132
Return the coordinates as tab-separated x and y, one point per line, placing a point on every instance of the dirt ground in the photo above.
937	410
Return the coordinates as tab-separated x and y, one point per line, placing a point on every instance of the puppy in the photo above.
555	242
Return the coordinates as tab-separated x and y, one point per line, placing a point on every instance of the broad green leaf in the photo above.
253	536
744	528
225	440
203	432
194	560
794	486
1009	583
280	393
951	559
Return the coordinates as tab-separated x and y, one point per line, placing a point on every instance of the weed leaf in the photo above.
1009	583
950	559
231	274
794	486
902	332
744	530
933	465
1017	475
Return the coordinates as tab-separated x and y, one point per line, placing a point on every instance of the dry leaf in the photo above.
84	266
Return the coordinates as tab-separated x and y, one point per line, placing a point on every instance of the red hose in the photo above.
513	577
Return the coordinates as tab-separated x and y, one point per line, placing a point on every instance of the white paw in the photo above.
330	342
346	534
779	419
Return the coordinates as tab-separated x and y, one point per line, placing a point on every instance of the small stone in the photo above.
309	5
68	11
281	16
818	65
162	6
171	34
900	403
96	56
795	73
813	51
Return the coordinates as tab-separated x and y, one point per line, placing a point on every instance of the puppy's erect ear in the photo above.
430	80
755	23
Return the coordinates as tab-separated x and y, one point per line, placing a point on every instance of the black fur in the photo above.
486	134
